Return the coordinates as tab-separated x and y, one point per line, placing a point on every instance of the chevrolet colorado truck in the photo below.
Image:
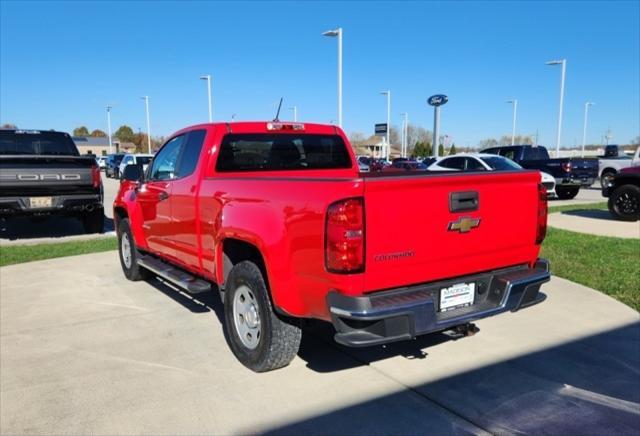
570	173
276	217
42	173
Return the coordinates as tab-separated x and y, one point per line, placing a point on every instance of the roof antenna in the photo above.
278	113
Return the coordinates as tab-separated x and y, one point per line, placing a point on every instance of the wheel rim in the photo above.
125	249
627	204
246	317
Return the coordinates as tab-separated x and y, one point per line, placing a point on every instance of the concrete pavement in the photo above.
83	350
585	196
594	222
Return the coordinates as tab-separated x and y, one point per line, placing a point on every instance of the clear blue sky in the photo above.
62	62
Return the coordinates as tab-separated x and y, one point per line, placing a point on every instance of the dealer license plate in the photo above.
456	296
40	202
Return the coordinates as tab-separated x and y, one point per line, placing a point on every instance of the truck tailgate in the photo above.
412	236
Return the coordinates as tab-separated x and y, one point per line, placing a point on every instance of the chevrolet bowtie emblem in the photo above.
464	224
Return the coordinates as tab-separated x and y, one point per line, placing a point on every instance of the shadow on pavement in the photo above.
594	214
45	227
589	386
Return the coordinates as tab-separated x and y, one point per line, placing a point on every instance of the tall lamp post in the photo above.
333	33
584	127
404	133
208	79
513	128
146	104
563	63
388	145
109	129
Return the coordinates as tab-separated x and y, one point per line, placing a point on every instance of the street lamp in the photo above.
388	94
513	129
295	112
109	128
146	104
405	130
208	79
332	33
584	127
563	63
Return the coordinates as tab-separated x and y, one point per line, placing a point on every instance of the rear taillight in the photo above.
566	167
344	236
95	176
541	231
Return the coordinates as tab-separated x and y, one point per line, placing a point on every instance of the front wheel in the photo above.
624	203
129	254
259	338
567	193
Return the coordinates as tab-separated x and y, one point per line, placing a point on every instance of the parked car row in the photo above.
114	164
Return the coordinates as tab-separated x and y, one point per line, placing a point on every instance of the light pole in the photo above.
404	133
208	79
146	104
109	128
584	127
388	146
295	112
513	128
338	32
562	62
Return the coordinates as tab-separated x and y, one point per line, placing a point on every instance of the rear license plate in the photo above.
40	202
456	296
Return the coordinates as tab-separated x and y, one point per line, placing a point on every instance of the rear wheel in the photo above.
93	222
259	338
624	203
129	254
567	193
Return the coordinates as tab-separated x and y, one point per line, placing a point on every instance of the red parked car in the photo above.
277	218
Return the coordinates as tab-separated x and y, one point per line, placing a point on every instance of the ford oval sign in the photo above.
438	100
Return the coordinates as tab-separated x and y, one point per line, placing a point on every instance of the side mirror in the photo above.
133	173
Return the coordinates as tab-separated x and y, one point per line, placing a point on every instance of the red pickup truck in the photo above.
277	218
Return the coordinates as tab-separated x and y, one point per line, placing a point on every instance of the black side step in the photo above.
175	275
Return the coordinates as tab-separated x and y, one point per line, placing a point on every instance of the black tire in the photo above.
567	193
277	340
93	222
606	178
130	267
624	203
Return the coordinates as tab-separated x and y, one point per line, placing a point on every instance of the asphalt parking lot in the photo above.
85	351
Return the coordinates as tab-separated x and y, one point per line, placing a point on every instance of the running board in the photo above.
175	275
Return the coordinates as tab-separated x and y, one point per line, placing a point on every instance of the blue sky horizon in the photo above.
62	63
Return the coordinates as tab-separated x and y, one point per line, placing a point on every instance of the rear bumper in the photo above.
575	181
60	204
405	313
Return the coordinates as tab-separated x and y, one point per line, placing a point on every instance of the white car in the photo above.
102	162
486	162
132	159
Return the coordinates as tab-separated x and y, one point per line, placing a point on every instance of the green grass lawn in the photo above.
610	265
10	255
597	206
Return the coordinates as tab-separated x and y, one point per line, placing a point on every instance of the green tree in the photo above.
429	149
97	133
441	150
420	149
453	150
125	134
81	131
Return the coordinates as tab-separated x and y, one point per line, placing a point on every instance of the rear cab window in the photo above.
281	152
35	142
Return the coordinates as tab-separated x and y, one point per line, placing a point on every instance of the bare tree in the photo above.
486	143
8	127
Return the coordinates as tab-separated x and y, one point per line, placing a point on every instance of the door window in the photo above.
474	165
456	163
166	161
191	152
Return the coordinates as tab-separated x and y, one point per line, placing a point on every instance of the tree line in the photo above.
123	134
418	141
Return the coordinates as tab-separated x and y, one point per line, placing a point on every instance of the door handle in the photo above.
162	196
463	201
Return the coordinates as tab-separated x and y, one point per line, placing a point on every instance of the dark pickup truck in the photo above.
42	173
570	173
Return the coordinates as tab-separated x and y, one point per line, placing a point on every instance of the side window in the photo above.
166	161
456	163
474	165
509	153
191	153
128	160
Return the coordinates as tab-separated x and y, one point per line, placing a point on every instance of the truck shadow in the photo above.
45	227
604	215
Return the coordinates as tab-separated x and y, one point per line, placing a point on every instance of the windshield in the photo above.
500	163
143	160
273	152
36	143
